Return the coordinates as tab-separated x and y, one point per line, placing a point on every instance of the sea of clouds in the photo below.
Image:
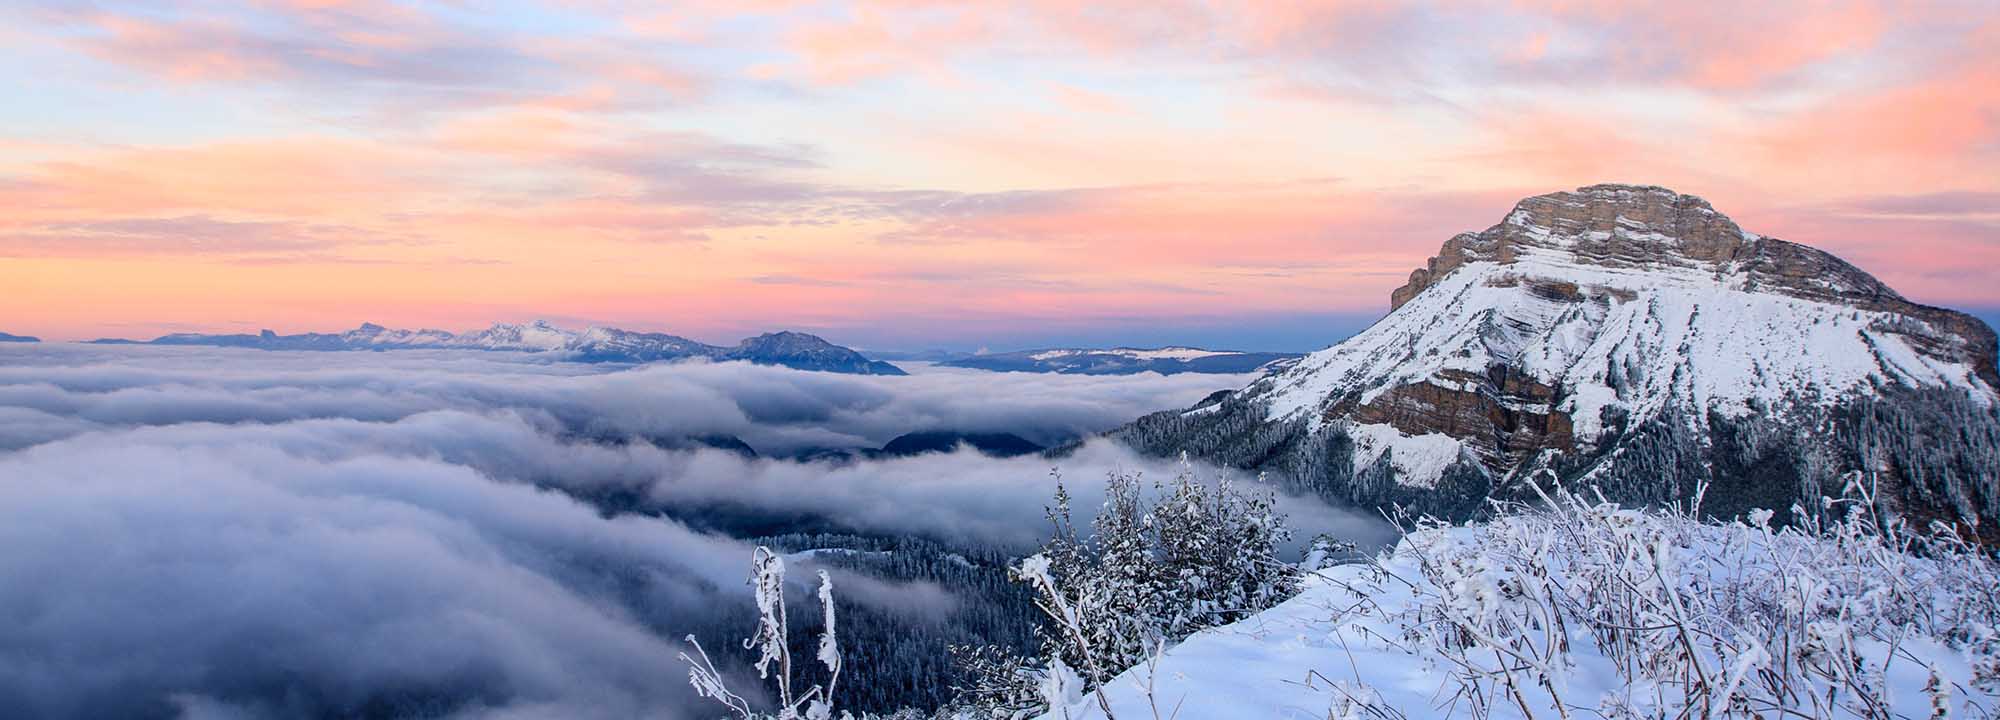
209	532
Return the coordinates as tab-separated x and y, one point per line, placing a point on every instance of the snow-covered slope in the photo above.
596	344
1127	361
373	336
1616	331
1587	608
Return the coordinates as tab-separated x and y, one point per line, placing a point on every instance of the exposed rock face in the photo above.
1613	226
1502	416
1635	339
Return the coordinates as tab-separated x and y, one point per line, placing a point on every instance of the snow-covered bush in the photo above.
1578	607
1153	570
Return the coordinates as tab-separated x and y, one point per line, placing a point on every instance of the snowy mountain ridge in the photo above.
1634	337
1127	360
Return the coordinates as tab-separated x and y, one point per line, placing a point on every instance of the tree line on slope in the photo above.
1935	453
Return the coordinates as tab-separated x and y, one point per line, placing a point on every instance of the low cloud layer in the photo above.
220	533
775	410
145	577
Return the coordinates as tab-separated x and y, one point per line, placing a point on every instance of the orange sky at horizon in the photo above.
928	174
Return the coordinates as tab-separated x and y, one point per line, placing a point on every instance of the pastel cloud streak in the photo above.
906	173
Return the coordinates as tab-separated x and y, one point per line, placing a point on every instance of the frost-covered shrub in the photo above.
774	656
1578	607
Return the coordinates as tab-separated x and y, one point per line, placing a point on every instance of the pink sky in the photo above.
906	173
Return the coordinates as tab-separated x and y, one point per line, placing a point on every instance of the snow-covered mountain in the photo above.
4	337
537	336
1635	339
597	344
1127	361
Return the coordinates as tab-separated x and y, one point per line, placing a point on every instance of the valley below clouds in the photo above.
210	532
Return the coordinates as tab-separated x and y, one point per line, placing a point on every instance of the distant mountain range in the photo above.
788	349
1126	361
4	337
598	345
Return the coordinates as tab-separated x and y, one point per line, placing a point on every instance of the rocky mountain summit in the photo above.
1629	229
1635	339
4	337
597	344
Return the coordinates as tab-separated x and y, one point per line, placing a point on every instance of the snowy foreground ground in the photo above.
1591	611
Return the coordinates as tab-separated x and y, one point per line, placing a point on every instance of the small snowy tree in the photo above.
1251	577
1120	593
1196	557
1218	554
